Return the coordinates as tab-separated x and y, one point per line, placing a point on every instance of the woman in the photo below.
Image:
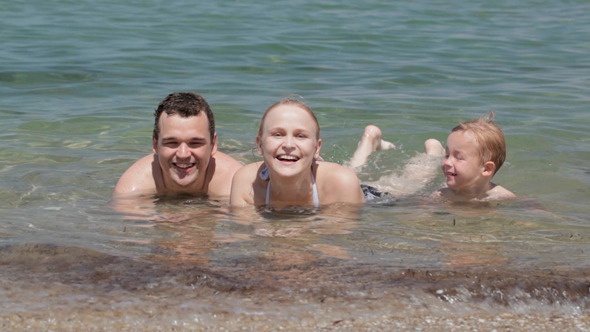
290	174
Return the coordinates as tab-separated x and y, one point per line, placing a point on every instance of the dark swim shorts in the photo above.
371	193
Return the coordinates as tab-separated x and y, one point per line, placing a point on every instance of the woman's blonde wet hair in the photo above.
489	137
291	101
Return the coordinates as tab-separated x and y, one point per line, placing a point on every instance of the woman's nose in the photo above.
289	141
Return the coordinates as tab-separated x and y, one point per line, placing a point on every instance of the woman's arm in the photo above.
242	186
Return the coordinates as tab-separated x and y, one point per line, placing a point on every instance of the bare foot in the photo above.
369	143
434	147
373	136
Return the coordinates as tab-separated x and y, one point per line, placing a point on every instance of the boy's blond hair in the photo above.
489	138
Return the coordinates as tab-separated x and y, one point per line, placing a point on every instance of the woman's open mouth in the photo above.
285	158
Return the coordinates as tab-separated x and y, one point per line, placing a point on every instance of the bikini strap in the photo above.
316	198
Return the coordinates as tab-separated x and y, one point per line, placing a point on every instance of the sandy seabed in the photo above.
326	319
74	289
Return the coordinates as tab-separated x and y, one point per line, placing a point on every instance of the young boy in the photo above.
475	151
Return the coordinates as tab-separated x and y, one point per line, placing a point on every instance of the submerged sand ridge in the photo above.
46	286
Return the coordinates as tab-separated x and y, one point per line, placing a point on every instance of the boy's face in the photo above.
463	169
184	149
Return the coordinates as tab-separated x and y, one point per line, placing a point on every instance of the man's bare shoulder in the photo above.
138	179
226	164
225	168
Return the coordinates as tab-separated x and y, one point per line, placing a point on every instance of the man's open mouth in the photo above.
184	166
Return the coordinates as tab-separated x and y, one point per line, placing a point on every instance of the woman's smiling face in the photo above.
288	140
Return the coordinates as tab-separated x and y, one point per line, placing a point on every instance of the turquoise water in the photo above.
78	85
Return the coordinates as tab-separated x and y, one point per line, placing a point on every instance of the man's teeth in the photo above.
184	165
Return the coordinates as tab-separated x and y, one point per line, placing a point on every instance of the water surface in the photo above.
78	86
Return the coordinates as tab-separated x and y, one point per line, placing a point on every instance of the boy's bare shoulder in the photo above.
500	193
444	193
496	193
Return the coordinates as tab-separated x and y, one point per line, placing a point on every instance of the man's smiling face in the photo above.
184	149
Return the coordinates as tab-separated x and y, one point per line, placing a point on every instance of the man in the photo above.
185	159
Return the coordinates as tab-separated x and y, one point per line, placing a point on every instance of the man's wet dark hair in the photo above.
184	104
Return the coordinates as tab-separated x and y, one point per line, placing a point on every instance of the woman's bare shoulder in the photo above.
336	176
249	170
243	182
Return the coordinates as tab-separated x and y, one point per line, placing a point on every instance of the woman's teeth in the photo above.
288	158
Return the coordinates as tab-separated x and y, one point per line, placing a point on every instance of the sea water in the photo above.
79	82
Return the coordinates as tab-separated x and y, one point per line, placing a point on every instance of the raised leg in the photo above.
369	143
434	147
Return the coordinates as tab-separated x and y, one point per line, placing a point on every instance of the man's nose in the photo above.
183	151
